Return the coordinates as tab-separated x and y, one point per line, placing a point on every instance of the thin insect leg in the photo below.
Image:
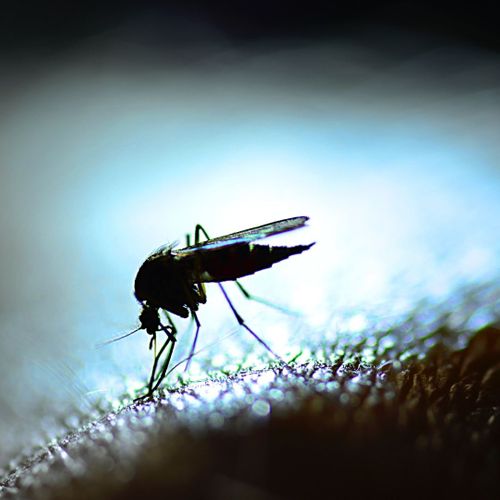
152	343
241	321
199	350
171	335
202	292
155	364
260	300
173	330
170	331
199	228
193	345
164	368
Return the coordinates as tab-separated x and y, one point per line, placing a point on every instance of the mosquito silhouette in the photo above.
173	280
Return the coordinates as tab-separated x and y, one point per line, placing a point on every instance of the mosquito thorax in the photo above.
161	283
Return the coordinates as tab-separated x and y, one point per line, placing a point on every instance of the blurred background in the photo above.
121	127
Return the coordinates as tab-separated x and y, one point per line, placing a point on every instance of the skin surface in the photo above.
423	424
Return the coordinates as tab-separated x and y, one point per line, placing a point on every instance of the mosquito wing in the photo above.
247	235
259	232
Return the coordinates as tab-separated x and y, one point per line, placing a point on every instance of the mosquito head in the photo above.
150	319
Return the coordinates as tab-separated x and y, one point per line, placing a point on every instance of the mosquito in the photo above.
173	280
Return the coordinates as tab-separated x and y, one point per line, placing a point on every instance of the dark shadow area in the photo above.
59	24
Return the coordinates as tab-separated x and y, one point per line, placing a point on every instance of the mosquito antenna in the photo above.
102	344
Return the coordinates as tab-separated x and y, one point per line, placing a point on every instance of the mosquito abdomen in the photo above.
243	260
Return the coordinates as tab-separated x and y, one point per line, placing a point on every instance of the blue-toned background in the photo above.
112	148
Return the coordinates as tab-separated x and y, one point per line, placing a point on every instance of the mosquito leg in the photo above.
155	365
199	228
247	328
164	368
202	292
171	331
265	302
152	377
193	345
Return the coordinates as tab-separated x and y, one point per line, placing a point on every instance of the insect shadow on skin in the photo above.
174	281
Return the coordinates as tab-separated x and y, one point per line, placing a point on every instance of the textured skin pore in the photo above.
420	426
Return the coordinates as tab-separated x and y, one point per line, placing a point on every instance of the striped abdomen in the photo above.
241	260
